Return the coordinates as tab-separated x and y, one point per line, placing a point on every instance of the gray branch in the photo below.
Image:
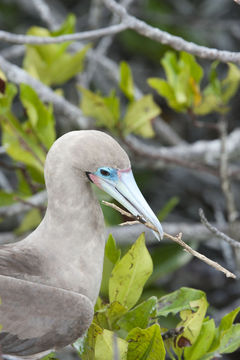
163	37
61	105
128	234
39	40
217	232
128	22
20	207
202	151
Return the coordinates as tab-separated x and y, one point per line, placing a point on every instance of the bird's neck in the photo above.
72	235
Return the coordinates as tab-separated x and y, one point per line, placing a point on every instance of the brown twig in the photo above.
177	239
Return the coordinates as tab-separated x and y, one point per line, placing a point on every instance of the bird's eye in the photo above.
104	172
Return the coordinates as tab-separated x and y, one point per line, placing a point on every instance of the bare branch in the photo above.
61	105
225	182
128	22
45	13
36	200
217	232
175	42
39	40
177	239
188	155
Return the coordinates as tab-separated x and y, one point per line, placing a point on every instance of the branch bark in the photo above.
39	40
177	239
61	105
217	232
163	37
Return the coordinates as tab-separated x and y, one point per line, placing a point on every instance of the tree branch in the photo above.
224	176
163	37
177	239
217	232
196	155
36	200
128	22
39	40
61	105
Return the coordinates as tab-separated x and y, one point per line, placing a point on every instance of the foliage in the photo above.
26	141
52	63
106	109
182	89
132	328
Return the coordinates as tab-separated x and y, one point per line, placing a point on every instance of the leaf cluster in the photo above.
106	111
182	87
131	329
26	141
52	63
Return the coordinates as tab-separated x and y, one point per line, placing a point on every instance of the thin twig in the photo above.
217	232
177	239
28	203
39	40
224	177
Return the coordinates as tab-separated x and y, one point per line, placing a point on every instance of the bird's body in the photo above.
49	282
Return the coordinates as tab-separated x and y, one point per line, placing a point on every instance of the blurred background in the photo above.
175	189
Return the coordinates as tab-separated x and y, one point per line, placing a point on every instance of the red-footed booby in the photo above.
49	282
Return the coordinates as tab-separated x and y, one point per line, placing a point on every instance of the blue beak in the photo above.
124	189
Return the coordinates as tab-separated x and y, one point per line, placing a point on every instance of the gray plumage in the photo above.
50	281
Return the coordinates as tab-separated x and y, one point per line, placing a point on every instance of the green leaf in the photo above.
51	63
203	342
6	99
104	110
40	117
67	27
107	316
30	221
139	116
227	320
111	250
85	346
195	70
146	344
51	356
126	80
181	89
130	274
20	145
224	326
139	316
165	89
230	84
170	65
230	342
217	94
6	198
105	347
192	321
178	300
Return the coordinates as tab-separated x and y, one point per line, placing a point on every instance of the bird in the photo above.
50	280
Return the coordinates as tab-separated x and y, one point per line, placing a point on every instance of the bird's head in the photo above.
98	158
111	172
